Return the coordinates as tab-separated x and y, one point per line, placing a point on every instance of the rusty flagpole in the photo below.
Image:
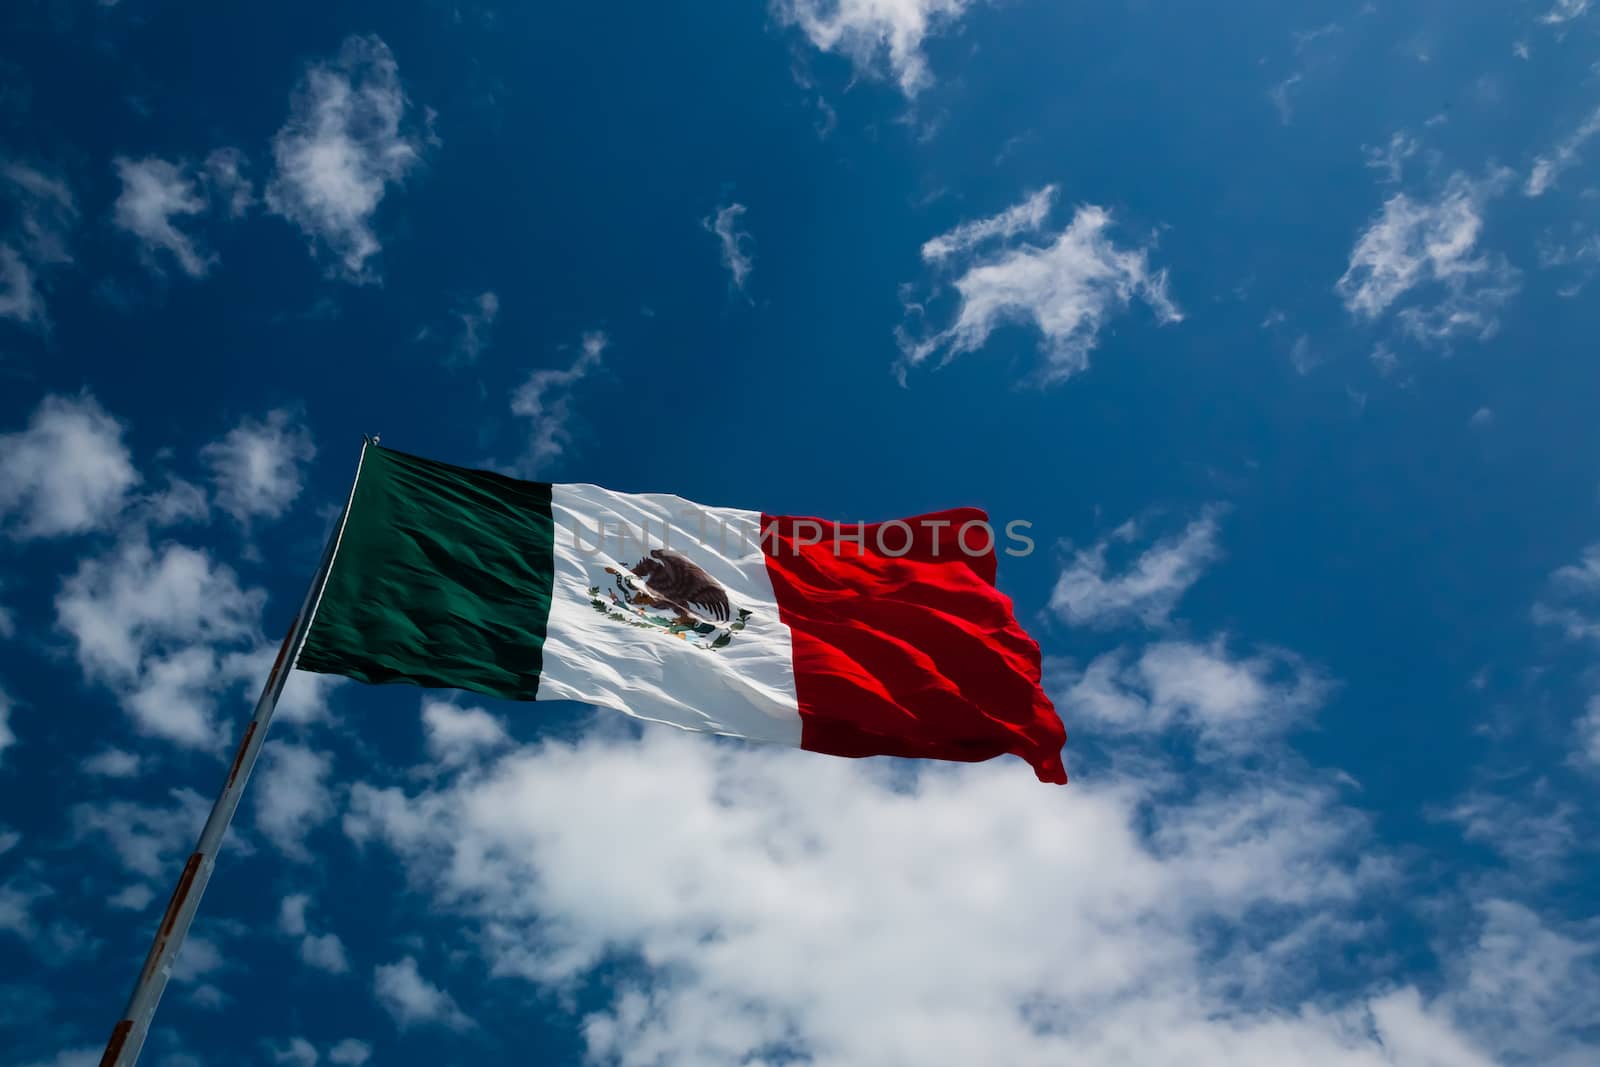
127	1037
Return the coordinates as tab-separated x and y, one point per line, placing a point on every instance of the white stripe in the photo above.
622	656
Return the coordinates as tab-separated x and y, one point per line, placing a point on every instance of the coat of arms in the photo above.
669	592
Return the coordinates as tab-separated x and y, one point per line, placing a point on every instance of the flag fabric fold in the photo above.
846	639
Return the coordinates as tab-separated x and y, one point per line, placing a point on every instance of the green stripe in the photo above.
442	579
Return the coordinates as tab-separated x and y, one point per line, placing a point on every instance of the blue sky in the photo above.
1275	322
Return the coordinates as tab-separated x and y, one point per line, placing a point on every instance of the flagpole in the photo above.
127	1037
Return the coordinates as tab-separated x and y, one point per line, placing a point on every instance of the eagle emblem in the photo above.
667	591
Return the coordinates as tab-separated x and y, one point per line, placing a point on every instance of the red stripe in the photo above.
914	654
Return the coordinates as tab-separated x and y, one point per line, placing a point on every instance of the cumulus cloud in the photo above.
1067	285
1546	169
1226	701
545	399
1148	589
136	897
292	797
350	1053
870	32
156	196
44	214
457	735
777	906
347	141
1433	244
325	952
147	622
412	1000
112	763
68	472
256	466
298	1052
725	225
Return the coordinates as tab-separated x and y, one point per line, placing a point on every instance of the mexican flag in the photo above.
850	639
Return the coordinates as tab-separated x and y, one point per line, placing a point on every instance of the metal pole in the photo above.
127	1037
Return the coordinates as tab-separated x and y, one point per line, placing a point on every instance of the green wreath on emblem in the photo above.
618	602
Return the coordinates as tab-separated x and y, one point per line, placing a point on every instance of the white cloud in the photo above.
1148	589
1576	588
1026	217
148	839
255	467
155	195
297	1053
725	225
477	323
69	472
545	399
346	142
868	31
1532	832
779	906
146	622
1228	702
292	914
305	697
198	957
136	897
19	293
1588	731
350	1053
46	214
226	183
112	763
1482	418
412	1000
1530	984
325	952
292	797
1390	159
1547	168
1565	11
7	736
457	735
1415	244
1067	288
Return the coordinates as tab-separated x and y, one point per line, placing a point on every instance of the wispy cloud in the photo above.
36	243
412	1000
347	140
1565	11
871	32
1547	168
1150	586
1416	244
155	195
545	399
725	225
1068	286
